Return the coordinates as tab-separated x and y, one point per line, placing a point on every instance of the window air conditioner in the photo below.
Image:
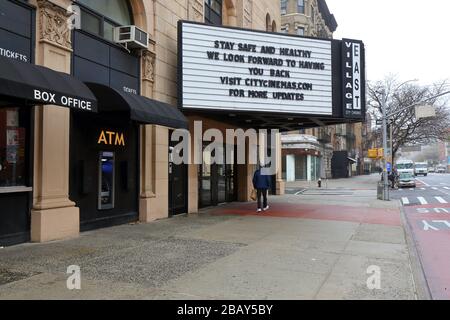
131	36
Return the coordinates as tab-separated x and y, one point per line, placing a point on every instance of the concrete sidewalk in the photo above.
304	247
366	182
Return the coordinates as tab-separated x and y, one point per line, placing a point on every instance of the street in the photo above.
432	189
427	209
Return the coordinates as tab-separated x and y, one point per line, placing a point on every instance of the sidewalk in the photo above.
304	247
365	182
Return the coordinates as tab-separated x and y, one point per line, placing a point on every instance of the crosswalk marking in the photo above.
447	188
405	200
434	188
440	200
423	188
422	200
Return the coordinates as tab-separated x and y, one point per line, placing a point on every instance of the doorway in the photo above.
178	191
217	182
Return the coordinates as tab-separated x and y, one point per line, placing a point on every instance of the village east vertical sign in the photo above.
353	78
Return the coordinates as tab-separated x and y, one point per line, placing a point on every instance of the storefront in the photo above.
24	85
16	43
105	147
302	158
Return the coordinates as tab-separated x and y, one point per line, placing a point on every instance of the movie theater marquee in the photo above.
226	69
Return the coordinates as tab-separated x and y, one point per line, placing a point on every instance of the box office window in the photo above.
14	122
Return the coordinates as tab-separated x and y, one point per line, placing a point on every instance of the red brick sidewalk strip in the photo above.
321	212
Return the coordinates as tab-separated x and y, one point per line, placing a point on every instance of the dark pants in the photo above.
263	193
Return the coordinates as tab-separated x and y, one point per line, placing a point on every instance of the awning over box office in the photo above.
21	81
141	109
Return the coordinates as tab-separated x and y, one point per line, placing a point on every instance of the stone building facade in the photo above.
61	182
313	18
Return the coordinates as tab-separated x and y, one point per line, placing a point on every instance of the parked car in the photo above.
441	169
431	170
406	179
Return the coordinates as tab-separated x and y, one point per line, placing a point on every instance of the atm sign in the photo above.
111	138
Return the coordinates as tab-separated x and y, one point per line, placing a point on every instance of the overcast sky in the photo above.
410	38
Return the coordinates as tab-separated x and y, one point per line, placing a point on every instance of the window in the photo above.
283	7
312	14
274	26
268	23
300	31
13	143
100	17
213	12
301	6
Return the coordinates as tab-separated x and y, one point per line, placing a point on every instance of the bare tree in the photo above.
406	129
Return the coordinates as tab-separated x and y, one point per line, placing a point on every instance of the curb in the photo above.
419	279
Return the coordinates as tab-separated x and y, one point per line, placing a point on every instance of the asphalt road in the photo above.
432	189
427	212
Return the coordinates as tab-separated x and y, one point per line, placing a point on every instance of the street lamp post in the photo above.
385	175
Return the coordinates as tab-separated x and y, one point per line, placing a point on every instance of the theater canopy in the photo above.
267	78
141	109
32	84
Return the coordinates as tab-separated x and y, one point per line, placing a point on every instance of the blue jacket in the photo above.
261	181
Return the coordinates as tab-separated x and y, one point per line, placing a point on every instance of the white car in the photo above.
441	169
406	179
421	168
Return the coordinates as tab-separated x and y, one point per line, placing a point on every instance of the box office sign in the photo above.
47	97
231	69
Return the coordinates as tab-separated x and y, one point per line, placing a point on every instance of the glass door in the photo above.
221	183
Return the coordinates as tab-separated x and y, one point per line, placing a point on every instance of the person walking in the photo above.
262	184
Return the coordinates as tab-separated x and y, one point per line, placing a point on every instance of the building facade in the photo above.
310	18
340	146
87	120
65	169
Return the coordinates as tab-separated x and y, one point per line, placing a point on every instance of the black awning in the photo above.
141	109
40	85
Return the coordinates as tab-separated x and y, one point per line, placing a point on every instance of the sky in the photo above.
407	38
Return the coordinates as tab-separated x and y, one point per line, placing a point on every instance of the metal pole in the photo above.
385	175
392	145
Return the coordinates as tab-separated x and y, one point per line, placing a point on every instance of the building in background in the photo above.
341	152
